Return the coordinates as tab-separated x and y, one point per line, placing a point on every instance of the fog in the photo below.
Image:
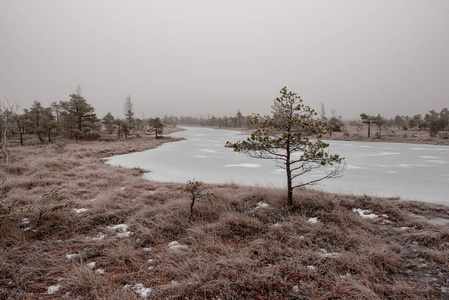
203	58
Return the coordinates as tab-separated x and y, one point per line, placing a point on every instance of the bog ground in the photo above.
108	233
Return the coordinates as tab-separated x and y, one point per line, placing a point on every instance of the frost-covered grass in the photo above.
126	238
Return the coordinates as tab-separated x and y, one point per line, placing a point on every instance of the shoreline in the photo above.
417	137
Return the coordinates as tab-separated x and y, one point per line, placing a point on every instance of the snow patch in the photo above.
389	153
124	234
352	167
100	271
92	265
436	161
208	151
123	228
329	254
99	237
313	220
262	205
140	289
176	245
147	249
244	165
72	255
366	214
53	289
80	210
311	268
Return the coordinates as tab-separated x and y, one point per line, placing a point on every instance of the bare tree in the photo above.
7	120
129	112
78	91
322	112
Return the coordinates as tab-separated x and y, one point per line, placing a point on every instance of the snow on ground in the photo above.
100	271
72	255
53	289
366	214
123	228
80	210
313	220
262	205
99	237
244	165
92	265
140	289
124	234
311	268
176	245
328	254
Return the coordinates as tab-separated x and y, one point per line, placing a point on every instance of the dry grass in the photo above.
390	135
127	238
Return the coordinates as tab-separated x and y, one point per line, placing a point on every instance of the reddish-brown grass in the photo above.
138	236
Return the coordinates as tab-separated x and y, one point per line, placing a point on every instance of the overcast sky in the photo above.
201	58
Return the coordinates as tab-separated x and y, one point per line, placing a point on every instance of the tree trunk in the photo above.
289	176
21	137
289	188
191	207
369	129
39	135
80	123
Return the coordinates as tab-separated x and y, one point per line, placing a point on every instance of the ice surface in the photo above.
407	171
246	165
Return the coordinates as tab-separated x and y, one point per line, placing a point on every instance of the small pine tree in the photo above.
285	138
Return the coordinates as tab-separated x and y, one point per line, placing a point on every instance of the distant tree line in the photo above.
432	121
237	121
74	118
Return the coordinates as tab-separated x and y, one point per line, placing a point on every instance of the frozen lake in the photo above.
408	171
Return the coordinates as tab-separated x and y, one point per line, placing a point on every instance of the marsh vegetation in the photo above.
125	237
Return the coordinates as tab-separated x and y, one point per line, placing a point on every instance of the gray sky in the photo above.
215	57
